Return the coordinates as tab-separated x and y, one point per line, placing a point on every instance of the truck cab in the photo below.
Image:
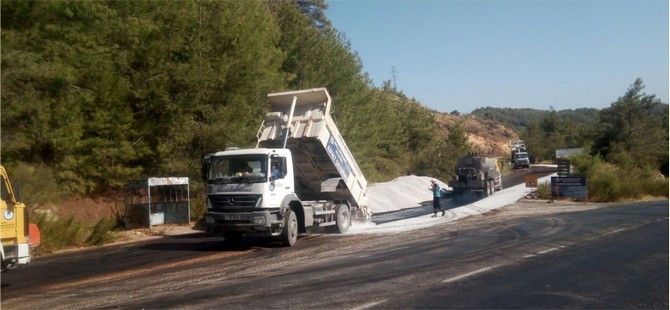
244	196
519	156
15	227
520	160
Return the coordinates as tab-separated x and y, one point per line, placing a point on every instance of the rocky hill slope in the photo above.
488	137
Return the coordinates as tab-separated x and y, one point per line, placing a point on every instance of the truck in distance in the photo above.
300	175
519	155
475	173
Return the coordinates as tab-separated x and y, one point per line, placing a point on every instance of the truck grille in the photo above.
234	202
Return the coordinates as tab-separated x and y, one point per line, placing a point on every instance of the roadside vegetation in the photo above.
610	183
626	146
63	233
607	182
97	94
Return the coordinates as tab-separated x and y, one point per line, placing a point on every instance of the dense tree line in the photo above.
523	117
107	92
632	132
103	93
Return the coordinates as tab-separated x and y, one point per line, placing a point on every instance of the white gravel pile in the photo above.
404	192
410	191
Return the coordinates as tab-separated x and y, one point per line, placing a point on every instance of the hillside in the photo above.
488	137
117	110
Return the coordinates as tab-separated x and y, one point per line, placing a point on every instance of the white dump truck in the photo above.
301	174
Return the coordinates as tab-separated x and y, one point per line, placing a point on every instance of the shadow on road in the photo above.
212	242
425	209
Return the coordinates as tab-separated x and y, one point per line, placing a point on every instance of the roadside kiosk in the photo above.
157	201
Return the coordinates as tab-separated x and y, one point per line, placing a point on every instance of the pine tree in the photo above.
632	132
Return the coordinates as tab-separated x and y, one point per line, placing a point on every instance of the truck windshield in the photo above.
238	169
522	155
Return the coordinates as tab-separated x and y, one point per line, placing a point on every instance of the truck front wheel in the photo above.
289	235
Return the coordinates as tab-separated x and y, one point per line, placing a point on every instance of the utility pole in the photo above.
393	76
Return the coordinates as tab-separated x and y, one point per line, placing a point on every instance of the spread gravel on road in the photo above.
414	191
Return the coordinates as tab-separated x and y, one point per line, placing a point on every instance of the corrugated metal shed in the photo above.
157	201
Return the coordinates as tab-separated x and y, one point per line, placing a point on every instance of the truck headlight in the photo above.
208	203
259	219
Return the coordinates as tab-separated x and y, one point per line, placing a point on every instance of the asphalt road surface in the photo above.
528	255
517	176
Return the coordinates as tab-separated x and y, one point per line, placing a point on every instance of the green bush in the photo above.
57	234
608	183
198	208
603	185
504	165
657	186
197	200
102	232
544	190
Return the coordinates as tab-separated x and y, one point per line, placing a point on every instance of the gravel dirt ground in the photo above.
522	208
506	204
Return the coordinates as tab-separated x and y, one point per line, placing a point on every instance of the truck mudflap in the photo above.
16	254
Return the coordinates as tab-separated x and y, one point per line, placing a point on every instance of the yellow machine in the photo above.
15	231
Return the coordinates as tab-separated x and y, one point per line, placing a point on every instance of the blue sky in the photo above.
462	55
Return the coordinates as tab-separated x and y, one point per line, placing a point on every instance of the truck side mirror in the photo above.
206	163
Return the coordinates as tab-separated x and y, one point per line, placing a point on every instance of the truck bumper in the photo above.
259	222
16	254
522	164
470	185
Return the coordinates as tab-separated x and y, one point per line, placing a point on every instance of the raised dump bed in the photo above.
322	159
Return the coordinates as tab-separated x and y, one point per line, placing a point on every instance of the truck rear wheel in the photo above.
487	188
342	220
289	235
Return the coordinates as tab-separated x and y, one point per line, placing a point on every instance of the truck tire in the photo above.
489	188
342	220
5	266
289	235
456	194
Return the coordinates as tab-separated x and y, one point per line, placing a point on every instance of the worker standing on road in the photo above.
437	194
